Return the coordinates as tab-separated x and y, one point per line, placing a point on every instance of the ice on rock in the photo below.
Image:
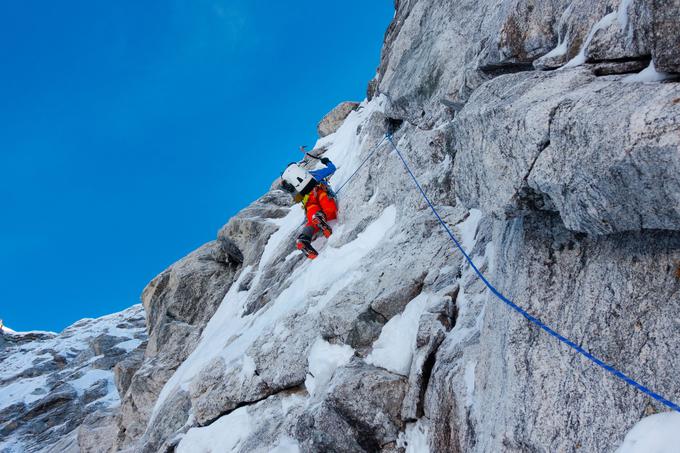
470	368
324	359
394	348
286	445
26	390
58	376
649	74
580	58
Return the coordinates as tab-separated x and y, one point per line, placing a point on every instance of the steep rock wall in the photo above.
561	185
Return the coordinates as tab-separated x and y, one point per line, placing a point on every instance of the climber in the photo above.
312	190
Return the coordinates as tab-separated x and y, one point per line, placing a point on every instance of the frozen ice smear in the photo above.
468	230
580	58
649	74
658	433
324	358
414	438
622	13
394	348
558	51
470	368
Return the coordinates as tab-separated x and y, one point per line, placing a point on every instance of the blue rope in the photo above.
370	153
531	318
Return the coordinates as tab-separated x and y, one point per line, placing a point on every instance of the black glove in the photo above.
325	160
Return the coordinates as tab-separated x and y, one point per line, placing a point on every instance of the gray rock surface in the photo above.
360	413
333	119
535	132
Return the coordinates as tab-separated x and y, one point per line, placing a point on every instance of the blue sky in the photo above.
131	131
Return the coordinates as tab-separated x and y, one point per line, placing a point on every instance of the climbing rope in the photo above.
619	374
520	310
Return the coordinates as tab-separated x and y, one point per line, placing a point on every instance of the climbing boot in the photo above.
305	246
319	220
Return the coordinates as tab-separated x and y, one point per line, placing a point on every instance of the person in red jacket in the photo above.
311	189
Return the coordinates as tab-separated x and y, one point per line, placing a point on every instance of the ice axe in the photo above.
303	148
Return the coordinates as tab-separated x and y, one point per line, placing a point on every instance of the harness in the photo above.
322	185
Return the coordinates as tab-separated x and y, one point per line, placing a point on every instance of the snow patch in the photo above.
286	445
344	141
658	433
287	224
324	358
129	345
226	434
394	348
89	378
248	367
26	390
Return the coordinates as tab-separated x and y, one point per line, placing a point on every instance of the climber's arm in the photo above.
324	172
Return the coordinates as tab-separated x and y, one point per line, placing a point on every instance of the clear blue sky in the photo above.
131	131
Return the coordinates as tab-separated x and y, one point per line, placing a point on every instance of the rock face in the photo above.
536	131
57	391
179	303
333	119
557	172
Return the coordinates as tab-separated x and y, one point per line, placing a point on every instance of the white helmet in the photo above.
299	178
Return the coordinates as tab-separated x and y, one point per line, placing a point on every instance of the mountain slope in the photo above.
58	391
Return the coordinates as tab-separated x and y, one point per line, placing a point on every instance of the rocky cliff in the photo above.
547	133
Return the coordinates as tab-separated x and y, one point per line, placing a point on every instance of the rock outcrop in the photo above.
333	119
554	165
179	303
